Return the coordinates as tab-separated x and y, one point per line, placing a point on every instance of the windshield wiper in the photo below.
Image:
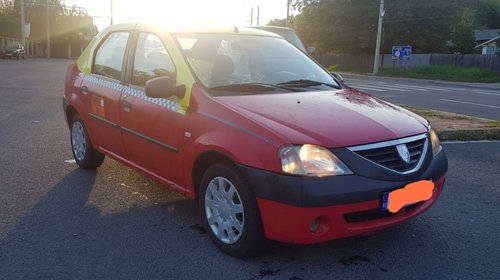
305	83
251	87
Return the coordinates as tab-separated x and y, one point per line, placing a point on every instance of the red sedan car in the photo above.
265	140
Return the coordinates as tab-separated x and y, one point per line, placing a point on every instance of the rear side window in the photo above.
109	56
151	60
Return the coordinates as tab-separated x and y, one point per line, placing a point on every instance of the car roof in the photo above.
197	30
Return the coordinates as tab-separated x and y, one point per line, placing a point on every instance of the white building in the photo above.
486	40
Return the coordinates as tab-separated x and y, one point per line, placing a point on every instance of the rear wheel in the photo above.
229	211
84	153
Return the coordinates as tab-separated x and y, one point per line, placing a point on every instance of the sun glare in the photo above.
188	13
183	13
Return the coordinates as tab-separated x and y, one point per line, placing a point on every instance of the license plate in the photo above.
412	193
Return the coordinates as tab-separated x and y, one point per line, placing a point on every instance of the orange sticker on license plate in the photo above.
411	193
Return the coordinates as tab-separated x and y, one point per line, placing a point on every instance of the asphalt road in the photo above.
462	98
61	222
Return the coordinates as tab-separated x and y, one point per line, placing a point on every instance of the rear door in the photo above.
153	128
103	89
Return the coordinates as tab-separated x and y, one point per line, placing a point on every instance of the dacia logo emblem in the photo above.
403	152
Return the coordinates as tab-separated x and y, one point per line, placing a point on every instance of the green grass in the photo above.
444	73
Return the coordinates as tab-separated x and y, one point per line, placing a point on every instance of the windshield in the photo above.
225	60
14	46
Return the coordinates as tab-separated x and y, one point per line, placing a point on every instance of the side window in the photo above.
151	60
109	56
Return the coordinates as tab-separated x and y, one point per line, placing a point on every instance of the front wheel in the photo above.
229	211
84	153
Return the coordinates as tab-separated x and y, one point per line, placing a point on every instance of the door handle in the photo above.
126	106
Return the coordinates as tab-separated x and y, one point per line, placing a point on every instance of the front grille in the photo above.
388	156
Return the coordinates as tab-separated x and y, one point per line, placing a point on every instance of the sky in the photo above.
183	13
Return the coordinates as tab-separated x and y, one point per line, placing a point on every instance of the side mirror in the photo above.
338	77
310	50
163	87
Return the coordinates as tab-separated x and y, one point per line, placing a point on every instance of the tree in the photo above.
8	19
338	25
282	22
462	34
488	14
277	22
349	26
64	20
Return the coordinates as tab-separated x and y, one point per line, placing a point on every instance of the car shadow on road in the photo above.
64	236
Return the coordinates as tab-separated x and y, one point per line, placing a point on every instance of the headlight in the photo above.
436	146
311	160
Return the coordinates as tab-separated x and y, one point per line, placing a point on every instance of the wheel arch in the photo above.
203	162
70	113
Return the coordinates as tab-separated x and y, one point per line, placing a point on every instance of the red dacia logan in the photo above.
267	141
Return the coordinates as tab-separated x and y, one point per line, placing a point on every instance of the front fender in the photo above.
237	144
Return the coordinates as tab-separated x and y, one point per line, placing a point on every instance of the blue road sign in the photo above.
401	52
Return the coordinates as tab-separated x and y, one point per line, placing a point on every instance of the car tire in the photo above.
83	151
229	211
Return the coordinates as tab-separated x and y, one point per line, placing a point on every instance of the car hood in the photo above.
328	118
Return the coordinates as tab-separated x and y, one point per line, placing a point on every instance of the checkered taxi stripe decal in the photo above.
163	102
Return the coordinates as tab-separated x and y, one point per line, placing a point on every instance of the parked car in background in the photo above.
263	138
291	36
287	33
14	50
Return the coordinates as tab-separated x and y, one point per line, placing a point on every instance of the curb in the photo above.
469	135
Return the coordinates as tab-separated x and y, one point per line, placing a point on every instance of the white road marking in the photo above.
70	161
487	93
397	87
470	142
366	88
382	87
470	103
404	87
431	88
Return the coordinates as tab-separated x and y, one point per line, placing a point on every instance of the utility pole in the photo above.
111	13
258	14
22	23
287	12
48	29
376	61
251	16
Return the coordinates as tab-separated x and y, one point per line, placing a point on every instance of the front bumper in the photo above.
345	205
12	54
